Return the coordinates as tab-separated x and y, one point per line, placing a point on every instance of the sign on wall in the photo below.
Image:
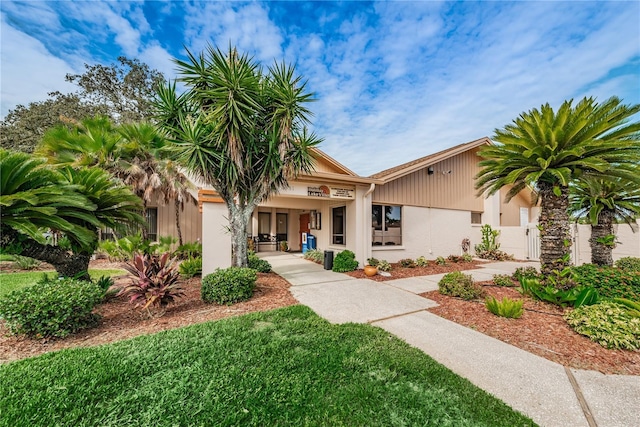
324	191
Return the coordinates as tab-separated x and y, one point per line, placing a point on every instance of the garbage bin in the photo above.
311	241
328	260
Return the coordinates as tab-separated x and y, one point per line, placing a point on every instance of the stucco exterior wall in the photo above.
216	246
428	232
628	246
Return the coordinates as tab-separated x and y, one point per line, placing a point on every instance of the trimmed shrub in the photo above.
315	255
610	282
52	308
407	263
345	261
191	267
383	265
457	284
422	261
229	285
606	323
502	280
508	308
628	264
258	264
441	261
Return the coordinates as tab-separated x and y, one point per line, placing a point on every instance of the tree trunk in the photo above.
555	233
178	228
67	264
238	221
601	252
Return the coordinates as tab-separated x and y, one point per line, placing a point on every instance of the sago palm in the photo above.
547	149
604	201
239	129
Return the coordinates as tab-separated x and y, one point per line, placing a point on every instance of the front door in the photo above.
304	226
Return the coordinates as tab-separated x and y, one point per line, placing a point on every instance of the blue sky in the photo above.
394	80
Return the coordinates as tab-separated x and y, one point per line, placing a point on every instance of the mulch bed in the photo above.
398	272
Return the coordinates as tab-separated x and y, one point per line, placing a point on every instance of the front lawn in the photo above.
282	367
13	281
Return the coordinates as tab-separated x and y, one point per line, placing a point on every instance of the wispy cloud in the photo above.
394	80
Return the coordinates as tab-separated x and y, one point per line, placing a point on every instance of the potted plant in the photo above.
284	247
371	269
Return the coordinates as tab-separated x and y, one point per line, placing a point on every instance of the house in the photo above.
421	208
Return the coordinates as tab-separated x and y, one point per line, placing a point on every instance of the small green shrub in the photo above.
258	264
628	264
373	262
454	258
610	282
383	265
189	250
608	324
407	263
191	267
25	263
229	285
467	257
314	255
509	308
51	308
440	260
502	280
422	261
104	283
345	261
457	284
575	297
526	273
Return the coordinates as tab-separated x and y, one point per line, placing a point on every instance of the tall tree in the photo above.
238	128
547	149
605	201
122	91
36	198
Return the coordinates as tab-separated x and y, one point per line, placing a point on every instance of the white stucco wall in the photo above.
216	240
429	232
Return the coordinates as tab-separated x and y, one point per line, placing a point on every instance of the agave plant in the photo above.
155	281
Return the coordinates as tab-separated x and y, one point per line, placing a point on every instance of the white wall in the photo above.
216	240
429	232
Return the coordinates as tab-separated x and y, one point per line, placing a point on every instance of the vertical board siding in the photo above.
453	190
190	222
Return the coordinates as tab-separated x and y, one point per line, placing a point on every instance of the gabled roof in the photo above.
412	166
330	162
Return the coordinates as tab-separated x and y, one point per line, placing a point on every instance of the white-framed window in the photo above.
264	226
152	223
339	225
386	224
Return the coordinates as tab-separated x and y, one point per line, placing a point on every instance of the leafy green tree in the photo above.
604	201
36	198
238	128
123	91
547	150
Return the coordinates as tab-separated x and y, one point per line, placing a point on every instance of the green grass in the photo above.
13	281
5	257
283	367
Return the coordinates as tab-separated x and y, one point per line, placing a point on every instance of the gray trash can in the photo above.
328	260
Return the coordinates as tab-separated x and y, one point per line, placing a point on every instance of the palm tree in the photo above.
37	198
239	129
547	150
603	201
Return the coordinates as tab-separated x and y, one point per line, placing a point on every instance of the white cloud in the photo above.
29	71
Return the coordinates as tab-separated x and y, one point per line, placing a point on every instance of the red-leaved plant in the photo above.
155	281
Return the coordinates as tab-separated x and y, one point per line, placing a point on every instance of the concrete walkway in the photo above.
549	393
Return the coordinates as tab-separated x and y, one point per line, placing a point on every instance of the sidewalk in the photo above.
549	393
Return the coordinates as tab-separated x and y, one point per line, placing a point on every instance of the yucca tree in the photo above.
238	128
546	150
36	198
604	201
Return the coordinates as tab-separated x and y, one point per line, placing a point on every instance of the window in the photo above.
152	223
339	225
281	227
264	226
476	217
386	222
